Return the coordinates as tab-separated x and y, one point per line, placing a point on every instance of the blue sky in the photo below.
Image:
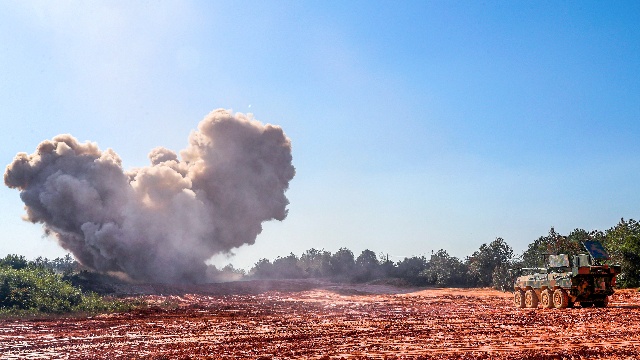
415	125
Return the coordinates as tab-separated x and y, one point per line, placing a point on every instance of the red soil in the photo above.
323	321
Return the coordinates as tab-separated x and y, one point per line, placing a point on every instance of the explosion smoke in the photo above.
161	222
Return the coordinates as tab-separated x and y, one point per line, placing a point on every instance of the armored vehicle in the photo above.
584	280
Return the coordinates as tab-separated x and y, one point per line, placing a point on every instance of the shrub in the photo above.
38	290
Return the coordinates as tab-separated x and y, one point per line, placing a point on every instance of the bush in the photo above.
33	290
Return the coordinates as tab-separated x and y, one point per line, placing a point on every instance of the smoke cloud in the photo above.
162	222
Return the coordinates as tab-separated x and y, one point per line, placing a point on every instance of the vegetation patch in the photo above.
36	287
492	265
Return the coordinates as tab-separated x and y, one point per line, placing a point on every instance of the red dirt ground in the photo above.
313	320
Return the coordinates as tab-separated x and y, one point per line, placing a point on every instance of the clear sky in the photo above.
416	125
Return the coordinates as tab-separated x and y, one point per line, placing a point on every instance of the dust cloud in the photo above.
159	223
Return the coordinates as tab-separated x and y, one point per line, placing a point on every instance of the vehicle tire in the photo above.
586	304
601	303
531	299
518	298
546	299
560	299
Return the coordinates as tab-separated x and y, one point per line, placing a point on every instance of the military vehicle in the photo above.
584	280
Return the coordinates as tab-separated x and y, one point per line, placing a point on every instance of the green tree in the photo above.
483	263
387	268
316	263
411	269
14	261
623	244
503	277
65	265
366	266
445	270
287	267
554	243
263	269
342	263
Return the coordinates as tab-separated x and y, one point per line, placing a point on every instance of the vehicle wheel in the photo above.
518	298
586	304
546	299
531	299
601	303
560	299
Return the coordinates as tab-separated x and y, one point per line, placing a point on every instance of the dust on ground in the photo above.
319	320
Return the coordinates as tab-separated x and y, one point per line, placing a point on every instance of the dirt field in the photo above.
288	319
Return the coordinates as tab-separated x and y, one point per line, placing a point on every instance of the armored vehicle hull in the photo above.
562	284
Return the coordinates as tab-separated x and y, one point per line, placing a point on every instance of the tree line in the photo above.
492	265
